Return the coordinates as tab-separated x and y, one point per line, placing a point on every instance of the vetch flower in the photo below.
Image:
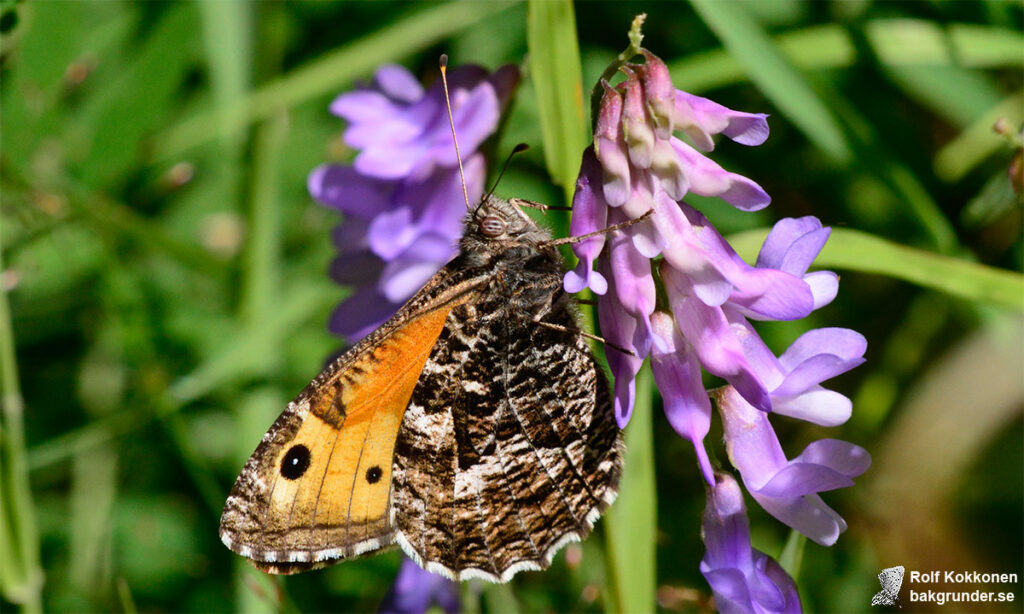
402	130
403	204
742	578
402	197
589	214
787	489
415	590
700	318
677	375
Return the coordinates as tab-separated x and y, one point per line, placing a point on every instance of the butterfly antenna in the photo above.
451	122
520	148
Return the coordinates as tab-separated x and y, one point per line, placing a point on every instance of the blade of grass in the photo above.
827	118
557	74
94	490
329	73
227	28
977	142
793	554
124	595
234	362
631	524
859	251
262	253
768	69
22	574
120	221
830	46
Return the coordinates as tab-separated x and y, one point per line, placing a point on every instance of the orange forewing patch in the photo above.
348	480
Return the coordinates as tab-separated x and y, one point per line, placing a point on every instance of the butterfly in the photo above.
473	429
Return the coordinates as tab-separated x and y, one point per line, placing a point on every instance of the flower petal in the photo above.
808	514
360	313
714	339
610	149
415	590
842	342
800	479
707	178
817	406
398	83
677	375
844	457
813	371
700	117
342	188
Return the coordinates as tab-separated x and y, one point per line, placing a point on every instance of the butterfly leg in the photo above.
609	229
585	334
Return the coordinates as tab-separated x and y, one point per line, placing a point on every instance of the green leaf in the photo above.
793	553
557	74
631	525
828	119
133	103
854	250
21	575
330	73
830	46
977	142
768	68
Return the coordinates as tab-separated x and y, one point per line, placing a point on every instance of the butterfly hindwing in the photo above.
318	487
508	449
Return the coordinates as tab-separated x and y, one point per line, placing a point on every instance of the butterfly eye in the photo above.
295	462
492	226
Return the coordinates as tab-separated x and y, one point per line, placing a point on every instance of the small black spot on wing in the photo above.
373	474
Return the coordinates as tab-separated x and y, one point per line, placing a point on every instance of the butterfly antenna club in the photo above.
451	122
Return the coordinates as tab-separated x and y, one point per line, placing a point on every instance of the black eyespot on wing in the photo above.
373	474
295	462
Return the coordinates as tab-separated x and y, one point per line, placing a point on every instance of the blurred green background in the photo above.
165	290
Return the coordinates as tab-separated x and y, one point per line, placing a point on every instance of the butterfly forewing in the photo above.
318	486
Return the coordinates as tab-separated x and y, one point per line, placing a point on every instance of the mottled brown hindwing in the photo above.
508	449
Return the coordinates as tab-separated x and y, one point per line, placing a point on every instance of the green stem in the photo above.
631	523
20	571
635	40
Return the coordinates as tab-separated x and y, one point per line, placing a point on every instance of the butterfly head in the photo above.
497	225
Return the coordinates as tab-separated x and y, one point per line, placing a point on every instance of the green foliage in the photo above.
164	290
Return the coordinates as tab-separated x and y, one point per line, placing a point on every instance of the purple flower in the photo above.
787	489
590	214
403	130
403	206
402	198
677	375
743	579
415	590
636	168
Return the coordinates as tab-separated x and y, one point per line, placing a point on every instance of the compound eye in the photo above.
492	226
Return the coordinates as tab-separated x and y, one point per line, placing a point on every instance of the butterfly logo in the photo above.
473	429
891	579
